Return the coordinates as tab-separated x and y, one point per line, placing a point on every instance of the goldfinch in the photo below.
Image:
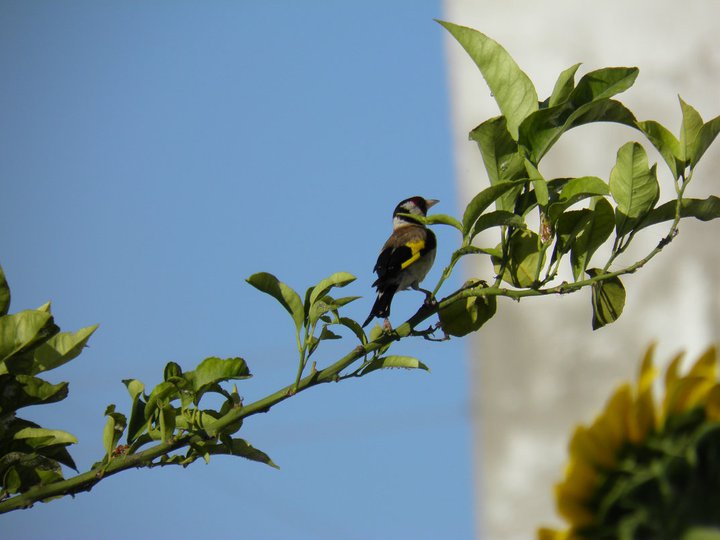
406	257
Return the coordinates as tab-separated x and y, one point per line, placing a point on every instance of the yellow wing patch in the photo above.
415	248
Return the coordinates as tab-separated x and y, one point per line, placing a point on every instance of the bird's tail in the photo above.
381	307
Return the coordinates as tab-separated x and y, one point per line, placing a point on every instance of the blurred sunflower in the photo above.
647	469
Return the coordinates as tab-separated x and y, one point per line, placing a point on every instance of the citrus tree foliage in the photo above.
542	225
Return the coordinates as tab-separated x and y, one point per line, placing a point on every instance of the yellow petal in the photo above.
551	534
712	404
587	447
647	374
688	393
672	377
643	417
705	366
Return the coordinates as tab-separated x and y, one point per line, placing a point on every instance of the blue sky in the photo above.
152	156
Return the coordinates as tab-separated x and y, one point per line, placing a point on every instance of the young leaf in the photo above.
539	183
4	294
385	362
563	86
634	186
284	294
438	219
594	233
512	88
339	279
608	300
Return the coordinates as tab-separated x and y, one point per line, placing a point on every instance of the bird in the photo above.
406	257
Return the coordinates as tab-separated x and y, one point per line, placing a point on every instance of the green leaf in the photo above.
40	437
541	189
704	139
634	186
499	153
483	200
608	299
61	348
241	448
498	218
702	209
215	370
541	130
386	362
354	327
702	533
567	228
524	259
512	88
167	422
21	391
284	294
339	279
666	143
594	233
692	123
575	190
563	86
468	314
603	83
134	387
21	331
4	294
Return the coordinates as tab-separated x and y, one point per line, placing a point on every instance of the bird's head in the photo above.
417	206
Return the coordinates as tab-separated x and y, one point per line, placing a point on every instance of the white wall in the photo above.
538	368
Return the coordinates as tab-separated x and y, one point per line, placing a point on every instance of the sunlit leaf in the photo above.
61	348
21	331
215	370
633	186
339	279
513	90
385	362
284	294
564	86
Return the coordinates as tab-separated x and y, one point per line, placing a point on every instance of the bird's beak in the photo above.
431	202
